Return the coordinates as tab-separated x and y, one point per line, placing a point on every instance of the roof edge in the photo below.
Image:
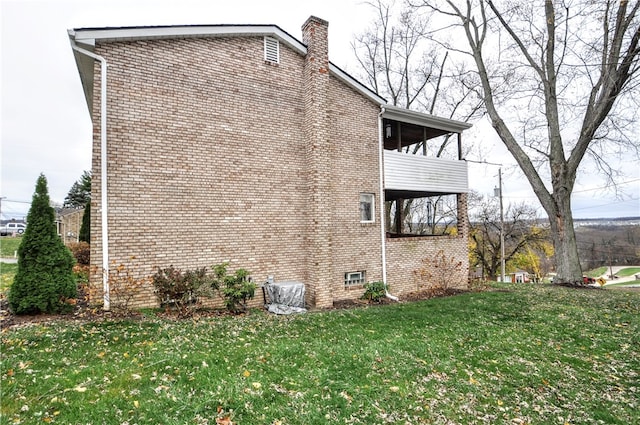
406	115
357	85
110	34
87	37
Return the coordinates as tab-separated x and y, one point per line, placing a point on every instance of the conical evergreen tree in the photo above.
80	192
44	280
85	229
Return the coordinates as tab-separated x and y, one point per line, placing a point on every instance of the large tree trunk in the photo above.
564	242
559	91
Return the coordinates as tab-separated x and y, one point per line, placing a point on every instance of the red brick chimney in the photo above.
319	161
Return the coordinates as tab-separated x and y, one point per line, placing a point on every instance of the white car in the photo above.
11	228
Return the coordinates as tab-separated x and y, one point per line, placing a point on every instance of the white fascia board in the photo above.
90	35
426	120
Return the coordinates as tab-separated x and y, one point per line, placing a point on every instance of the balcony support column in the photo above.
399	202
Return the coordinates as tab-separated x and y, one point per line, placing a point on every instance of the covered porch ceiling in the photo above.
402	127
393	195
410	134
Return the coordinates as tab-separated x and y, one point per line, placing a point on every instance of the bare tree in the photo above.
435	215
559	81
391	56
400	61
521	233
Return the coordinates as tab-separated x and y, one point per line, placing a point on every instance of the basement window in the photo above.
354	278
367	208
271	50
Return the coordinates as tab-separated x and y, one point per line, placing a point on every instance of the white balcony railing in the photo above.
418	173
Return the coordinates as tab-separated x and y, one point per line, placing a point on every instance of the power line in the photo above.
482	162
605	205
605	187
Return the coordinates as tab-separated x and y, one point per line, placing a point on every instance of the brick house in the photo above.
68	224
242	144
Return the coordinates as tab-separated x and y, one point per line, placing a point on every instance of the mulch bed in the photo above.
83	312
410	297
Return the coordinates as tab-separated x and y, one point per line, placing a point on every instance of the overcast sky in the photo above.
46	127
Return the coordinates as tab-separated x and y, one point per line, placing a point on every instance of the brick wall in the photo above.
417	263
411	263
215	155
211	158
356	246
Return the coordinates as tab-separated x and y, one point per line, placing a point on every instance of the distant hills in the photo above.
620	221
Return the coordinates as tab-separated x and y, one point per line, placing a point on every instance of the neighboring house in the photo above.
68	222
242	144
520	276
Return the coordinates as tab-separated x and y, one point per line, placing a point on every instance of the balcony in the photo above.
413	176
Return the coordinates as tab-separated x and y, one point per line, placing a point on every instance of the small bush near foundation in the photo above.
124	286
374	291
174	288
440	271
81	252
236	288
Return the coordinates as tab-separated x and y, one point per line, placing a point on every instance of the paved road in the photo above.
615	270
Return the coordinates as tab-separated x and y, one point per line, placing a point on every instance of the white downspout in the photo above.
383	235
103	172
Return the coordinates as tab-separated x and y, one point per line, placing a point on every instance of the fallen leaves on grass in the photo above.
517	357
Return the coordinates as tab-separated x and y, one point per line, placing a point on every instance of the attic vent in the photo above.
271	50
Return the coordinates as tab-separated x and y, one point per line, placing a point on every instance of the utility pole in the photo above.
498	192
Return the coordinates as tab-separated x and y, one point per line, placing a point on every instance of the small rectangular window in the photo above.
271	50
367	207
354	278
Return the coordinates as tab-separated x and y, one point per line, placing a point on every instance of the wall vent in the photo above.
271	50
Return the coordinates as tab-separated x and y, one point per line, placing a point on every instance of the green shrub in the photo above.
44	282
374	291
237	288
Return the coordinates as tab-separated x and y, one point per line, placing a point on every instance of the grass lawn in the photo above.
632	282
629	271
7	273
9	245
596	272
525	354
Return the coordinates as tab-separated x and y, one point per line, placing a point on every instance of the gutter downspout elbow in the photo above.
103	171
382	218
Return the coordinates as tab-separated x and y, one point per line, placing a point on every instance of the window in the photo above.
367	208
354	278
271	50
